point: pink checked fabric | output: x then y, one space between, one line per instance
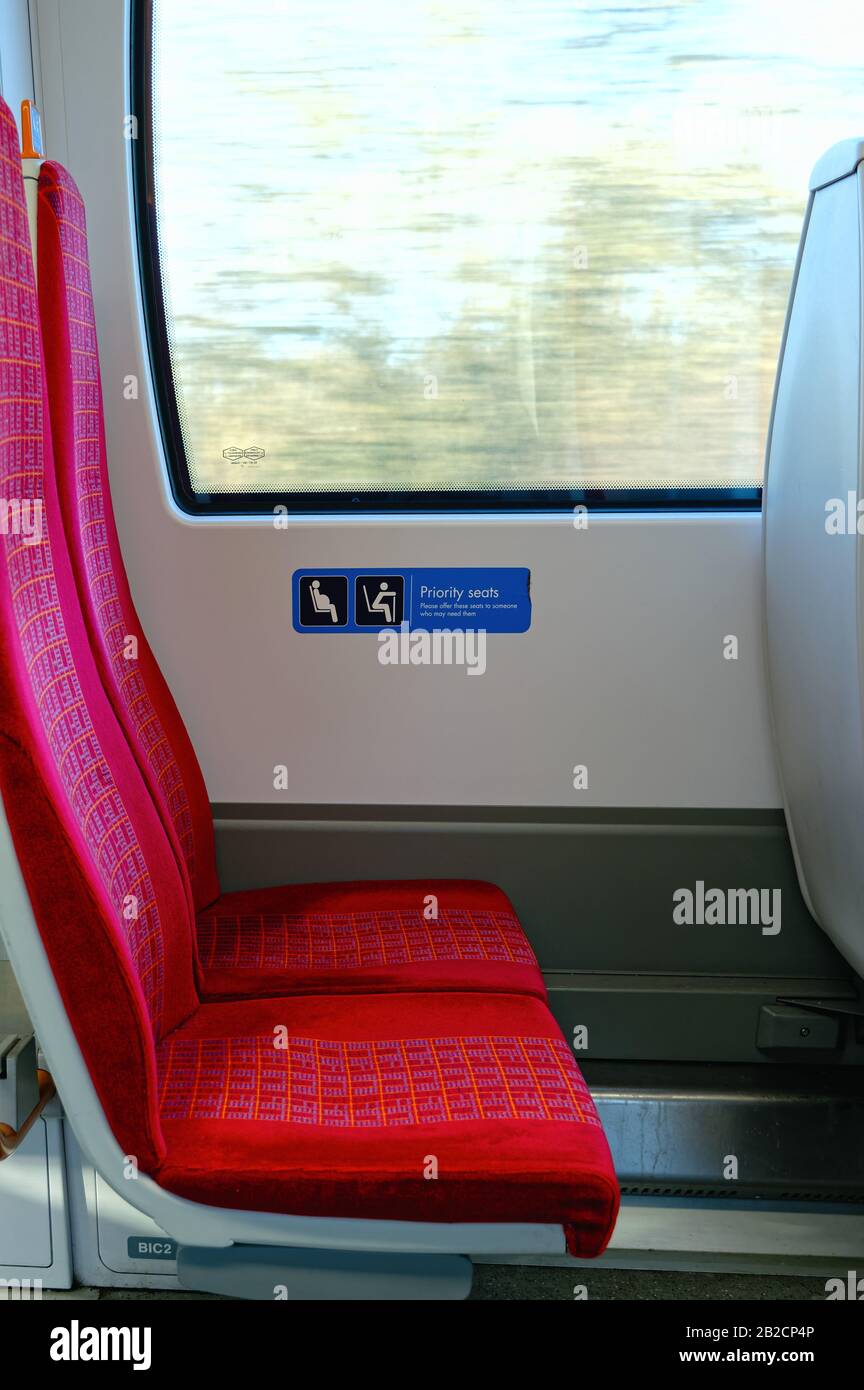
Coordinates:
373 1084
119 630
353 940
44 650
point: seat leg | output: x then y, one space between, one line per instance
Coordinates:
274 1272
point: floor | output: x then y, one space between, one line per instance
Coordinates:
520 1284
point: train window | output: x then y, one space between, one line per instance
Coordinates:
464 254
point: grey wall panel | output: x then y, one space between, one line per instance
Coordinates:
593 896
700 1018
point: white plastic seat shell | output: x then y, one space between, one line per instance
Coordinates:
814 604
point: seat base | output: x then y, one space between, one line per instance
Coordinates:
441 1108
272 1272
374 936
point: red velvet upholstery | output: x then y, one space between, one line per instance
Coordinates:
372 1095
345 937
279 940
110 901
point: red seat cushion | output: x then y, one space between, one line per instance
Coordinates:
421 1108
343 938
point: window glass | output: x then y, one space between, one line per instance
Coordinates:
467 245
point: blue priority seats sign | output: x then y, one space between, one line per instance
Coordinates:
442 600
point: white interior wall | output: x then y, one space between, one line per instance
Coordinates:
623 669
16 65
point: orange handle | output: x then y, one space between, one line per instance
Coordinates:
31 131
12 1139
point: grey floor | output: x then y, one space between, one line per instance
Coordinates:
519 1284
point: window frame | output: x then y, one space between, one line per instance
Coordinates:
497 502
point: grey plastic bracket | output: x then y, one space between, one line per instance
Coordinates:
277 1273
789 1024
19 1084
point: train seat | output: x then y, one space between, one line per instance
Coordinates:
429 1107
376 936
405 1107
341 937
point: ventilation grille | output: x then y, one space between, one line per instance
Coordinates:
733 1192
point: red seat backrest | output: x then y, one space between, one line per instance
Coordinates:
111 905
142 701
